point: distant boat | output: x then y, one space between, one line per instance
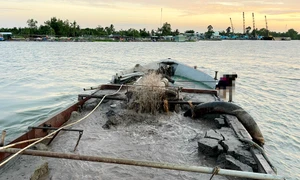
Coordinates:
267 38
282 38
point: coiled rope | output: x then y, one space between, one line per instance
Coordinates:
41 139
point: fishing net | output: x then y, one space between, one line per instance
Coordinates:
148 94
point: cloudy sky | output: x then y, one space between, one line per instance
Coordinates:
181 14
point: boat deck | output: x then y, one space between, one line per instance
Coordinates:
119 129
114 131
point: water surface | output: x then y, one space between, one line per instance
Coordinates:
38 79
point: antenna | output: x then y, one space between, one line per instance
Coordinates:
285 27
161 17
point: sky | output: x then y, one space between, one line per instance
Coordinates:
150 14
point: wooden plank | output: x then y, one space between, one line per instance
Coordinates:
263 165
241 132
237 127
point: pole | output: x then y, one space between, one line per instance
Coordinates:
161 17
2 138
130 162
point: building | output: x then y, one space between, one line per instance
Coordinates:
216 36
5 36
180 38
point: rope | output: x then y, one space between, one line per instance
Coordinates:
214 172
20 151
20 142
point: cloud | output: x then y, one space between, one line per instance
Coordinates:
14 9
224 3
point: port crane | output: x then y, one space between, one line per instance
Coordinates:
267 26
232 26
244 23
254 30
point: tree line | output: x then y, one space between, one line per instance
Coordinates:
64 28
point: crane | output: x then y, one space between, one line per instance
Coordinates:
254 30
232 26
267 26
244 23
253 21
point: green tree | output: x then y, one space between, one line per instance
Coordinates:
222 33
292 33
228 30
73 27
56 25
254 32
132 33
100 31
189 31
209 32
45 30
152 32
176 32
110 30
144 33
66 29
248 29
32 24
166 29
262 32
210 28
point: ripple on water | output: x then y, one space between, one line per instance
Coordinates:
267 85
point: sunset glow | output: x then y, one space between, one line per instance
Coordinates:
183 15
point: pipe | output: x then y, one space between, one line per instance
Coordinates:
130 162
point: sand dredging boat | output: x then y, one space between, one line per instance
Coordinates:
164 120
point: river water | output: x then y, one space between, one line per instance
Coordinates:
38 79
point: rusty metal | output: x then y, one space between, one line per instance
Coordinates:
55 121
81 96
64 129
91 88
54 128
80 135
53 138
